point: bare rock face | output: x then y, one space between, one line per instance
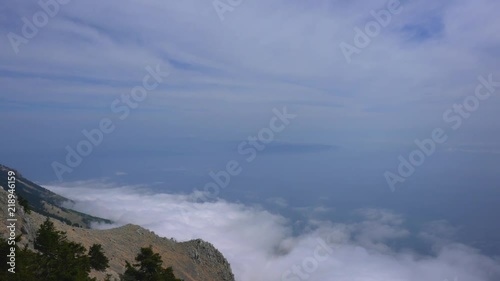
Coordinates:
205 253
194 260
24 224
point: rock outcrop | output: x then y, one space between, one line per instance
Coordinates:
194 260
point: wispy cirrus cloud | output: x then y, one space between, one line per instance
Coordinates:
291 51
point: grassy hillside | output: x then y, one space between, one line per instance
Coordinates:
194 260
46 202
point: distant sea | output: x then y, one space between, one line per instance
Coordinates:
460 188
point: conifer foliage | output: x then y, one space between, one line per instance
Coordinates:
56 259
148 268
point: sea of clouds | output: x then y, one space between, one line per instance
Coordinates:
261 245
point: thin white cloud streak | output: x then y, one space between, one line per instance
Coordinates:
285 51
290 41
260 245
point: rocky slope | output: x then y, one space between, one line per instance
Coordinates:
192 261
45 202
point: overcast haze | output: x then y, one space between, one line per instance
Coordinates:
403 125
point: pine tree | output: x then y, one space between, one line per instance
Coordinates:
60 259
56 259
48 238
148 268
98 260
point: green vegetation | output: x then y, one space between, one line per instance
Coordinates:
61 260
25 204
56 259
148 268
98 260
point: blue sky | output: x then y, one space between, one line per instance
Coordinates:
236 70
353 118
226 76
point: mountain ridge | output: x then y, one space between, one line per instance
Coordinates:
191 260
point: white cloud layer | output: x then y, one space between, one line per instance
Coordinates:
260 245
